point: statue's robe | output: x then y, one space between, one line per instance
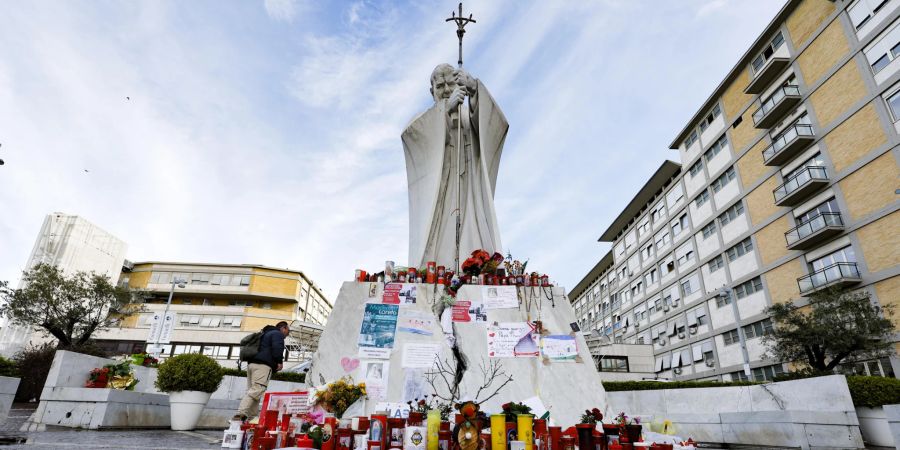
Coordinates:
429 142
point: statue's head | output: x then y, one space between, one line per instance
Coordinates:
442 82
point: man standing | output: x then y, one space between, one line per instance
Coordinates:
260 368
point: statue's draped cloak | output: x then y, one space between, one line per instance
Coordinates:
429 143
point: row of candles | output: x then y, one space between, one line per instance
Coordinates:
435 274
381 432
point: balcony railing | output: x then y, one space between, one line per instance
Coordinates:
814 230
800 184
774 108
766 74
793 139
838 274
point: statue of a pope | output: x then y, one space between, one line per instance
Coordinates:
431 148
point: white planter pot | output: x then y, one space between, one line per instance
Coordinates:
186 408
873 426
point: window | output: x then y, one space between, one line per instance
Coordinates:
828 206
845 254
159 278
813 161
767 373
658 212
690 139
200 278
687 287
647 252
652 276
662 239
740 249
708 120
701 198
722 300
893 103
724 179
748 287
767 52
717 147
716 263
644 227
739 376
731 213
679 225
758 329
731 337
674 196
885 49
245 280
863 10
613 364
696 168
686 255
709 229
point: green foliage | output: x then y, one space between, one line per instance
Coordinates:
873 391
289 376
189 372
68 307
280 376
8 368
838 326
33 364
615 386
801 374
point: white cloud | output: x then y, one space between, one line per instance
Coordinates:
282 10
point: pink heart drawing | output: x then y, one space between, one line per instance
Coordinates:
349 364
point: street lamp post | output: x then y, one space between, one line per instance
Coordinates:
181 284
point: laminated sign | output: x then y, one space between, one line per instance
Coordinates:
379 325
512 340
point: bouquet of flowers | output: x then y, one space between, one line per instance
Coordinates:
423 405
339 395
591 416
144 359
512 409
116 376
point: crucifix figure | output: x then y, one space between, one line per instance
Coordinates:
452 155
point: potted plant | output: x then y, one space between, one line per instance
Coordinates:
870 394
586 427
629 428
189 380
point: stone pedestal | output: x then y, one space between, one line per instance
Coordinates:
566 389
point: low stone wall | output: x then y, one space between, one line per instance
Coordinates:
66 402
813 413
8 387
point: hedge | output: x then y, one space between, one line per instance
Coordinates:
873 391
280 376
615 386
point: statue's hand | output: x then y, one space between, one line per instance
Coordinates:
456 98
463 78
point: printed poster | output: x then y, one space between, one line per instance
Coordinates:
497 297
287 402
512 340
379 325
374 353
469 311
399 294
420 355
376 375
560 347
415 322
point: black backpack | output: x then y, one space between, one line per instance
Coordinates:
250 345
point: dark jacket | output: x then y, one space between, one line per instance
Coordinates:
271 348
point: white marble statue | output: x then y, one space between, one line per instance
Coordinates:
430 145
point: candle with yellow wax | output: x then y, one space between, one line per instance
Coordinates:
433 427
525 429
498 432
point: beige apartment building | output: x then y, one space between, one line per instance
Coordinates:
217 306
787 183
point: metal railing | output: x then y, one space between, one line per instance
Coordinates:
775 99
787 136
813 225
828 275
799 179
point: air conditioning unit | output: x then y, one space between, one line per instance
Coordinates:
662 342
681 335
677 370
710 363
693 330
666 308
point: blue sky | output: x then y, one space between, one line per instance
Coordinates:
268 132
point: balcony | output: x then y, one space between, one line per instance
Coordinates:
775 107
800 185
815 230
766 74
788 144
839 274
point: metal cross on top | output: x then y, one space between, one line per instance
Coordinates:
461 23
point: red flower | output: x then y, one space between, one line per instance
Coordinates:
497 257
